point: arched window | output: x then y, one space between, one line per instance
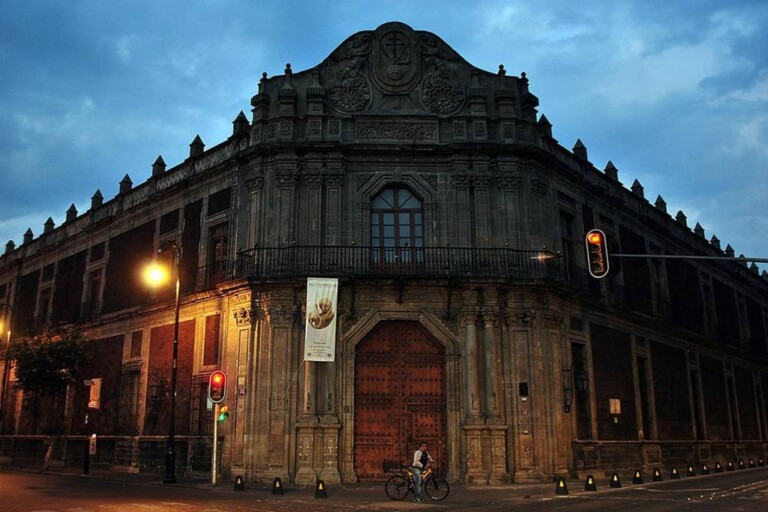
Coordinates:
397 226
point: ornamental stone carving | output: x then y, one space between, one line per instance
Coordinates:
508 181
539 185
396 58
242 316
352 94
441 95
397 131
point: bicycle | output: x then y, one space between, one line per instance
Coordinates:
400 484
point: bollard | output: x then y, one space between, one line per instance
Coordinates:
590 485
751 463
674 475
691 471
615 481
561 487
277 486
730 466
239 483
320 491
761 462
657 475
741 464
704 469
637 478
718 467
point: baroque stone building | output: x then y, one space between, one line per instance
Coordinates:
454 221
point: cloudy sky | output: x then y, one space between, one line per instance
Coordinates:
674 93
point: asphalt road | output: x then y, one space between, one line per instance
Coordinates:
740 491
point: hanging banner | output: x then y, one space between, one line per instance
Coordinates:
320 339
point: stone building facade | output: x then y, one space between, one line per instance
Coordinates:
454 221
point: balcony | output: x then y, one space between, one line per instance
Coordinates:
375 262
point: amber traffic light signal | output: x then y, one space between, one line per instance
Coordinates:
217 387
597 253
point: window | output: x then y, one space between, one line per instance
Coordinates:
169 222
217 253
219 201
581 388
397 227
129 403
93 303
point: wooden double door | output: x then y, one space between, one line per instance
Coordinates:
399 397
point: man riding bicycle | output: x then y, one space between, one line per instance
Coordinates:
421 460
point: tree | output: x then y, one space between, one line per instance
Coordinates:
48 362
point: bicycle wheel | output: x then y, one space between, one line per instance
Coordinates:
396 487
437 488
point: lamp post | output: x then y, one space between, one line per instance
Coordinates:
6 364
155 275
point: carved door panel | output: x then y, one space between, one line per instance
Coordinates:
399 397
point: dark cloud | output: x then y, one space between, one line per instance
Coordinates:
674 93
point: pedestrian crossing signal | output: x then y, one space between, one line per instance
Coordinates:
597 253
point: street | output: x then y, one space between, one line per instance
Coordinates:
738 491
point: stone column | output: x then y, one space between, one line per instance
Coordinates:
490 315
469 319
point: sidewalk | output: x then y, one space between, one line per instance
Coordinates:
365 495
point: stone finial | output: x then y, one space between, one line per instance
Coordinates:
754 269
126 185
196 147
97 199
71 213
10 246
681 218
288 71
743 260
729 251
48 226
715 242
661 204
240 124
580 150
638 189
263 82
611 171
764 275
28 236
545 125
699 231
502 71
158 168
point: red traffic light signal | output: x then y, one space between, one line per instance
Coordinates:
597 253
217 387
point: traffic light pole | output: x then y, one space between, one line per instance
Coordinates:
214 465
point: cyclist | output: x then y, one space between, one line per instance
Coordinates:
421 460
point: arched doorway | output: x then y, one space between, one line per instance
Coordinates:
399 397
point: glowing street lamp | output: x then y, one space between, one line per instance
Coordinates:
156 275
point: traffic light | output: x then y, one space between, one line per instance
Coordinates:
597 253
223 414
217 387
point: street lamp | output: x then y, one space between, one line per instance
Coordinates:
6 365
156 275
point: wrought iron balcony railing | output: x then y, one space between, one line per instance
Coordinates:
428 262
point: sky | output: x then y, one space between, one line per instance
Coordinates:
674 93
